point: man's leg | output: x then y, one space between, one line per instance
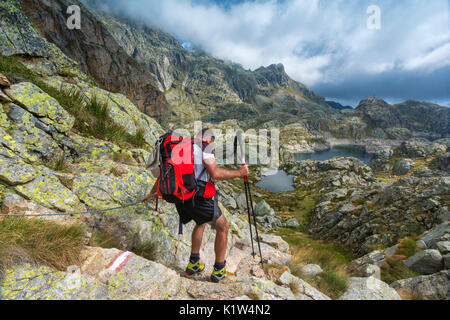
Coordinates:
220 245
195 265
197 236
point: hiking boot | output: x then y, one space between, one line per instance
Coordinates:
194 268
219 275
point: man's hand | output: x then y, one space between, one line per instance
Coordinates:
151 195
244 171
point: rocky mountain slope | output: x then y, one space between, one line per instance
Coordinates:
217 90
73 138
97 52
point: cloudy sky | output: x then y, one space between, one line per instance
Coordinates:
326 44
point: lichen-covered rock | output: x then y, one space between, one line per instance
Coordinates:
431 287
425 262
150 280
85 148
99 190
369 289
42 105
14 148
43 283
13 171
121 110
48 191
32 133
446 259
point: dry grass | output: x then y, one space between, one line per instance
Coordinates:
332 281
407 295
39 241
274 271
394 269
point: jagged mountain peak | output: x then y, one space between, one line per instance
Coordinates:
372 101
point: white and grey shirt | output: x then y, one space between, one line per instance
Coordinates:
199 156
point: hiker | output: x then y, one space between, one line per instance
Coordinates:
204 210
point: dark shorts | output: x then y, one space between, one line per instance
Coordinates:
202 212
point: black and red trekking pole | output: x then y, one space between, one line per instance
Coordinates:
248 198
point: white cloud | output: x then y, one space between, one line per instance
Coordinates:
430 61
318 41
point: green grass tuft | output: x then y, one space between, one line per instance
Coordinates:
92 118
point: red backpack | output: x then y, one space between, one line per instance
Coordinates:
177 181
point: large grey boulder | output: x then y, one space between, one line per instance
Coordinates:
229 202
391 250
241 201
403 167
304 290
443 247
275 241
447 261
363 266
437 234
292 223
263 209
40 104
369 289
425 262
311 270
14 171
431 287
43 283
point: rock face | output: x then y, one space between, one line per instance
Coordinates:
305 291
432 287
369 289
96 51
424 119
311 269
403 166
265 215
101 277
141 68
360 212
41 105
43 283
425 262
435 235
368 265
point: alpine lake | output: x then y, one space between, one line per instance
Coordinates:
280 181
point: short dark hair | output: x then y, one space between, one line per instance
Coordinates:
205 133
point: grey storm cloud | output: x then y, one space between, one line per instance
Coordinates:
324 44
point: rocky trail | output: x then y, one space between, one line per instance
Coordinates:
75 133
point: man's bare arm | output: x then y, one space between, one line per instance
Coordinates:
152 193
217 173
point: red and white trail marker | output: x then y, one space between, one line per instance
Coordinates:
120 261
